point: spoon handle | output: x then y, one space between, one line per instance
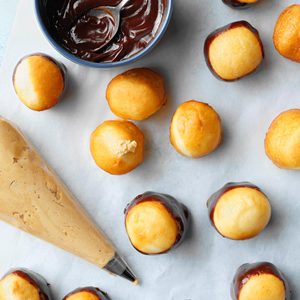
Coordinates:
122 4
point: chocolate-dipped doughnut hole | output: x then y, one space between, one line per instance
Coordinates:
234 51
239 211
23 284
240 4
156 223
261 281
87 293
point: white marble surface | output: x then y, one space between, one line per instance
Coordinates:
203 266
7 13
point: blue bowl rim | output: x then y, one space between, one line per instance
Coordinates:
102 65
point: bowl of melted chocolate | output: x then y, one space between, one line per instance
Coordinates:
85 38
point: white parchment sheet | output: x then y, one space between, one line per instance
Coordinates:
203 266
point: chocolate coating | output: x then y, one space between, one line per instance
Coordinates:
246 271
237 4
220 31
178 210
34 279
92 290
77 30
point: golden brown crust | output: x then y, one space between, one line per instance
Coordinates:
195 129
117 146
282 142
260 280
263 286
17 287
146 222
87 293
83 296
39 81
151 227
286 36
136 94
241 213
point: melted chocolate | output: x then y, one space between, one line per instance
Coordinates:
237 4
35 280
221 30
92 290
91 32
246 271
179 211
213 200
83 34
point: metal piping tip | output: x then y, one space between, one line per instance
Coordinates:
119 267
128 274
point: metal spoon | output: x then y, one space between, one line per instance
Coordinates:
114 11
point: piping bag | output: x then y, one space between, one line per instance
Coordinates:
35 200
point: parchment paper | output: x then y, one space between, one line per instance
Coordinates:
204 265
